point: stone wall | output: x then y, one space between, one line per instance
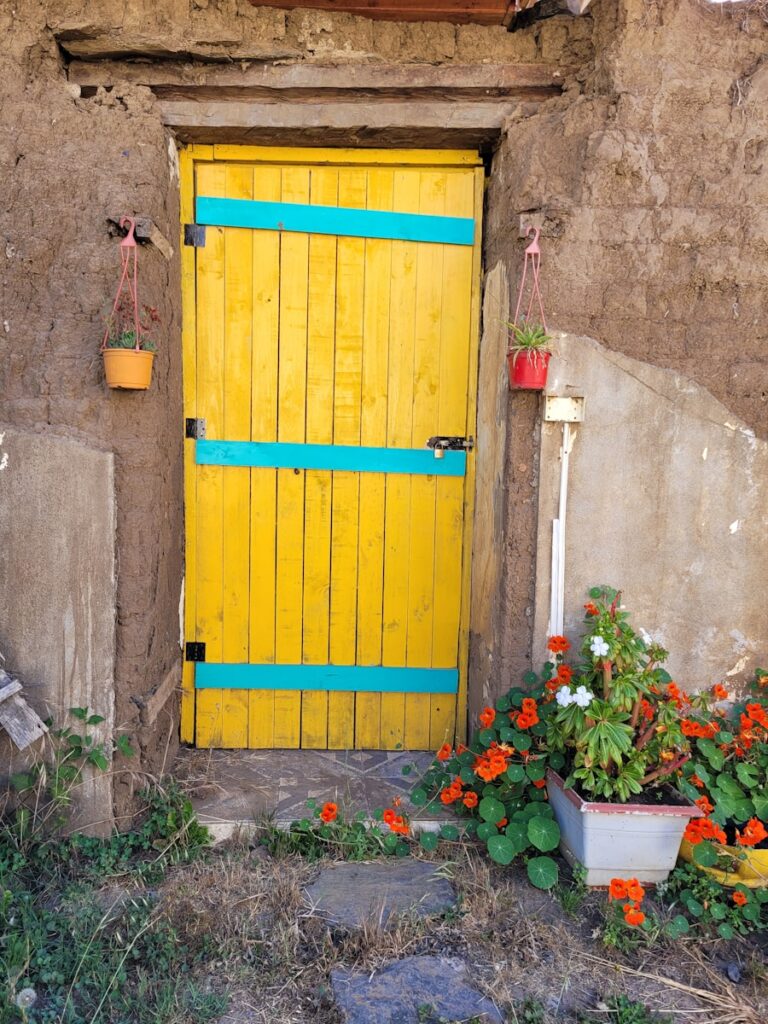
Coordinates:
649 178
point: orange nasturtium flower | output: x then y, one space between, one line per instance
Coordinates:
487 716
704 804
590 608
398 825
635 891
540 783
388 816
719 691
633 915
558 644
444 752
329 812
739 899
754 833
471 799
617 890
564 673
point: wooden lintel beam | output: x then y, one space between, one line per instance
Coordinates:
164 76
480 118
481 12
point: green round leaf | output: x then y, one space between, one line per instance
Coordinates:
556 761
530 679
419 797
429 840
542 872
506 734
501 849
467 758
725 931
515 773
517 833
694 906
487 736
491 810
471 827
751 912
521 742
536 770
485 830
544 833
402 850
503 703
718 911
449 832
704 855
677 926
467 776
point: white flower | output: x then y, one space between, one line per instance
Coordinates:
583 697
564 697
26 998
598 646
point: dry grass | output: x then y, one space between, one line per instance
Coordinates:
264 943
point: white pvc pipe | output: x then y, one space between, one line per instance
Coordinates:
558 583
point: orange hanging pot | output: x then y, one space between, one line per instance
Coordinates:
128 347
128 368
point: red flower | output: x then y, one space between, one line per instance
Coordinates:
558 644
398 825
564 674
470 799
540 783
719 692
487 715
739 899
591 609
633 915
617 890
388 816
444 752
502 822
329 812
704 804
754 833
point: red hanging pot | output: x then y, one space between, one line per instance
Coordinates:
528 370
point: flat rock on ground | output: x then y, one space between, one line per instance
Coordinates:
350 894
416 990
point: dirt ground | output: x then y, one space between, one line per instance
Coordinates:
535 960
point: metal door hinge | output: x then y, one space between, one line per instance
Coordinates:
194 428
194 652
194 234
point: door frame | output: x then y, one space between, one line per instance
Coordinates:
196 152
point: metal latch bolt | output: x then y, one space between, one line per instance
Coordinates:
441 444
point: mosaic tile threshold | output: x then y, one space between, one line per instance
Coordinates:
231 789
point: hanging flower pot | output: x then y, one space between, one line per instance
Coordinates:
528 354
528 368
128 347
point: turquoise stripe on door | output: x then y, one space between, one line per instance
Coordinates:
352 458
334 220
358 678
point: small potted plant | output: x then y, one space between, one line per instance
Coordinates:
129 347
619 728
727 777
528 355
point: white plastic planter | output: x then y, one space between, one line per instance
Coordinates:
618 840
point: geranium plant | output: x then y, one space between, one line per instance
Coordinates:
619 718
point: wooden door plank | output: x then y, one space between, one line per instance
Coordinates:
350 269
238 293
189 386
429 297
455 339
324 187
264 389
210 519
373 431
292 384
399 433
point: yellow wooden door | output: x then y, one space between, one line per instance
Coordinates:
330 329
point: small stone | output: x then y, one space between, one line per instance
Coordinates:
410 991
350 894
734 973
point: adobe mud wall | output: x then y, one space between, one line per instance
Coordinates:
650 179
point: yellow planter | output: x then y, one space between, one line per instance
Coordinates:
752 871
128 368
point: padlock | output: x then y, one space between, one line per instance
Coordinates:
439 453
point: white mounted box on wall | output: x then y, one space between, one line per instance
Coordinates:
564 410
